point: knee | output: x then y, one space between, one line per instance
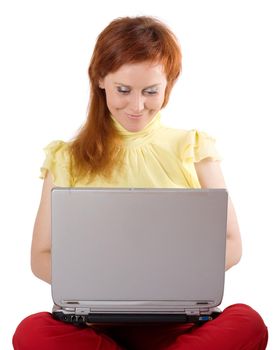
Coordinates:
25 333
247 319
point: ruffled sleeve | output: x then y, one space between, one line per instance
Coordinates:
199 145
57 162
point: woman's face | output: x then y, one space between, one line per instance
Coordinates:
135 93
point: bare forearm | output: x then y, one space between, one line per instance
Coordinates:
41 266
233 252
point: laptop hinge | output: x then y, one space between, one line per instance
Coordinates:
82 310
197 311
205 311
192 311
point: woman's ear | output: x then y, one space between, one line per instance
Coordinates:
101 83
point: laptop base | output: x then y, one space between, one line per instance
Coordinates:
104 318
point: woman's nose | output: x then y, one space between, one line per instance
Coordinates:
137 102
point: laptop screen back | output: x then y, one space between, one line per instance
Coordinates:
154 245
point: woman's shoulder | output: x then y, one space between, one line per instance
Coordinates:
57 161
186 136
58 149
56 146
191 144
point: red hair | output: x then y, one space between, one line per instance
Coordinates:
95 149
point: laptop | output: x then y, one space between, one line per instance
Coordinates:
138 255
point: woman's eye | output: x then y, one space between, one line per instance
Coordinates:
123 90
151 92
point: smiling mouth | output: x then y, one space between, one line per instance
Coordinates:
134 116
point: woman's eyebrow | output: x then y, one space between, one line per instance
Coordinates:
147 87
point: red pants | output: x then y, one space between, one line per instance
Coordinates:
238 327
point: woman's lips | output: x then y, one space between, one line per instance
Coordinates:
134 116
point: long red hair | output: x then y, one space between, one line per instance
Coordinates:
95 149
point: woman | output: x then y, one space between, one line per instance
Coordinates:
135 63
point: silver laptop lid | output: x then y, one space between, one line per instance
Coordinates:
138 249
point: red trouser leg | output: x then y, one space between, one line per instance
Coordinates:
239 327
42 332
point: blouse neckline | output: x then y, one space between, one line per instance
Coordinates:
138 137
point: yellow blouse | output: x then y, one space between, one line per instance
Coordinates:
155 157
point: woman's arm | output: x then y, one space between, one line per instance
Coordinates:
41 243
210 176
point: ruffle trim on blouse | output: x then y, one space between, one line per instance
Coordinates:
57 162
199 145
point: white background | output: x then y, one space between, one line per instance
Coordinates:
228 88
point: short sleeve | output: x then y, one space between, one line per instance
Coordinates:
198 146
57 162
